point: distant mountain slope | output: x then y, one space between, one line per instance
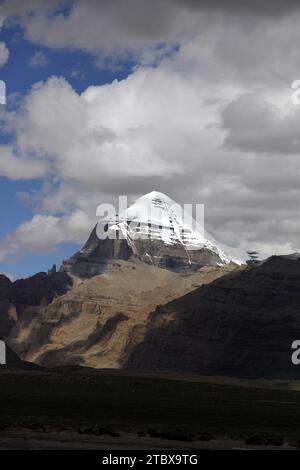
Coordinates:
221 320
99 322
240 325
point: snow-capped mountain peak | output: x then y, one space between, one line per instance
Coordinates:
156 216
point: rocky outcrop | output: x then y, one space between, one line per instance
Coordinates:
95 256
39 289
240 325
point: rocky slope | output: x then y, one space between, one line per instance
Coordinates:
240 325
99 322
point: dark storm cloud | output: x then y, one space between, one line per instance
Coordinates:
263 7
138 29
254 125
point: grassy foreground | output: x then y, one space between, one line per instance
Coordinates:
94 402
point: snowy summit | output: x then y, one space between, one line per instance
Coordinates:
156 216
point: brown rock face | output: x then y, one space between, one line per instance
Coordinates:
96 255
101 321
240 325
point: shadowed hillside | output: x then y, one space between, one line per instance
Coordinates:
240 325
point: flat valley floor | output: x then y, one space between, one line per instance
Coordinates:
82 408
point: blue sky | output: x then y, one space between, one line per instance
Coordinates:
19 75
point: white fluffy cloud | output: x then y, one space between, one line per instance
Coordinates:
212 122
43 232
98 135
14 167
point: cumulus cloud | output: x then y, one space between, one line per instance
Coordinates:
120 29
4 54
15 167
126 137
38 59
95 135
158 130
43 232
255 125
205 116
147 31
